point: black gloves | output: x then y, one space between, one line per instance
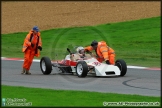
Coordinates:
107 62
40 48
32 45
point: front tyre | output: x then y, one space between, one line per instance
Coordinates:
45 65
81 69
122 66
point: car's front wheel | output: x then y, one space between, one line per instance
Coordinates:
45 65
81 69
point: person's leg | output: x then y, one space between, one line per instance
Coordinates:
112 59
26 60
31 56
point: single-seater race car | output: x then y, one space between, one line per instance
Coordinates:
83 66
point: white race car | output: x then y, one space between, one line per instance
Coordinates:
83 66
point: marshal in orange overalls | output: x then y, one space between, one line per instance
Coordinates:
30 48
103 52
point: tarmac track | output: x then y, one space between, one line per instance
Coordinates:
136 81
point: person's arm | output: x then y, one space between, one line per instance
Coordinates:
40 43
27 40
104 51
88 48
40 40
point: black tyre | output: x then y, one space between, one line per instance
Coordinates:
122 66
81 69
45 65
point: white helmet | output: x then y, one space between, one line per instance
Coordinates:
79 49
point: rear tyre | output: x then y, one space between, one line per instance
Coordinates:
122 66
81 69
45 65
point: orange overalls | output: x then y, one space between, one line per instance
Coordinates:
103 52
29 51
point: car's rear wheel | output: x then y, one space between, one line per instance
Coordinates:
45 65
122 66
81 69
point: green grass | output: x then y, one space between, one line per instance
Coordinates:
49 97
137 42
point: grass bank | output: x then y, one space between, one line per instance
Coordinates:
49 97
137 42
